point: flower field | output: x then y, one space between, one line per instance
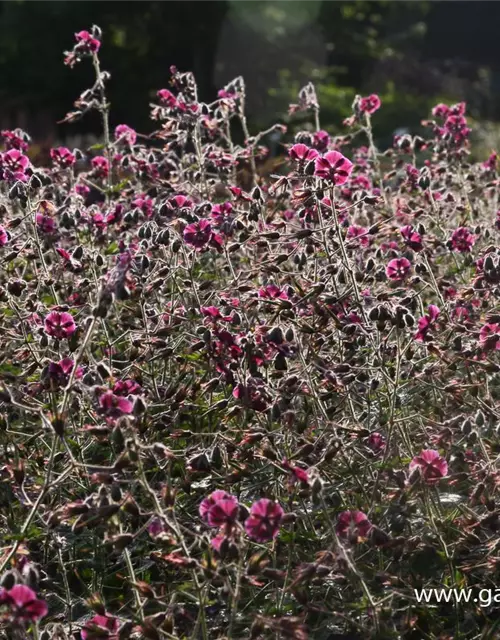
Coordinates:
242 404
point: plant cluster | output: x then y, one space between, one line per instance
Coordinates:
247 412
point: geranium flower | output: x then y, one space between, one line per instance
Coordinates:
334 167
321 140
358 235
432 466
60 372
441 110
370 104
124 133
489 336
426 322
113 405
219 498
264 521
59 325
272 292
198 234
86 43
412 238
62 157
23 603
352 525
101 628
302 153
4 237
398 269
167 98
462 240
16 139
100 165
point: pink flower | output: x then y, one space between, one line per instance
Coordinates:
398 269
59 325
227 507
264 520
23 603
352 525
273 292
13 165
376 442
100 165
432 466
427 322
16 139
321 140
86 43
44 223
333 166
441 110
113 405
412 238
4 237
489 336
101 628
198 234
462 240
167 98
62 157
59 372
302 153
370 104
126 134
358 236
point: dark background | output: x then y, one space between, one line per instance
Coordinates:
412 53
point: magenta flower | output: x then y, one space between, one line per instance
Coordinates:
4 237
44 223
198 234
23 603
62 157
427 322
59 372
218 498
333 166
302 153
412 238
113 405
398 269
167 98
370 104
16 139
321 140
271 291
462 240
59 325
86 43
264 521
352 525
432 466
489 336
441 110
358 235
101 628
100 165
376 442
124 133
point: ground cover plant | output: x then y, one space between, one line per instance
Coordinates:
237 405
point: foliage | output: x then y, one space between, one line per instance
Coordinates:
241 405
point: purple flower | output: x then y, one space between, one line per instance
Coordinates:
62 157
59 325
333 166
431 465
23 603
113 405
352 525
412 238
370 104
100 165
489 336
86 43
124 133
59 372
302 153
198 234
398 269
4 237
462 240
225 502
101 628
264 521
321 140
